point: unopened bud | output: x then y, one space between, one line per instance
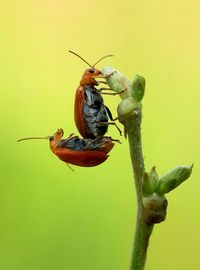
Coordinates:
174 178
126 106
117 81
150 182
138 88
155 208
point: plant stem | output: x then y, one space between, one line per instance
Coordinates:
141 241
143 230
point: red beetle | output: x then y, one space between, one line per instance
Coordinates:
76 151
90 113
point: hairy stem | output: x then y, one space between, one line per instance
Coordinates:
143 230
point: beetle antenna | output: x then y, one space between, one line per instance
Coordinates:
109 55
33 138
80 58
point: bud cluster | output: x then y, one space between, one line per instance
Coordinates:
131 93
172 179
153 190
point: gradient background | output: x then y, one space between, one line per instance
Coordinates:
52 218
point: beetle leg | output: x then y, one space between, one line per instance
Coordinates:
104 88
113 119
110 114
110 123
106 76
116 118
92 141
101 82
114 140
71 135
100 76
70 167
111 94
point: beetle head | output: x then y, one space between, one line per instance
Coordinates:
91 73
89 76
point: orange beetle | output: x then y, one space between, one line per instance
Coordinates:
76 151
90 113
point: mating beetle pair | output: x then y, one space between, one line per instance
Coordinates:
91 118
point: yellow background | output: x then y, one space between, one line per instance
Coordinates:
52 218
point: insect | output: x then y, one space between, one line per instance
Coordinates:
76 151
90 114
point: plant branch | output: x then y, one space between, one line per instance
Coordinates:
150 189
143 230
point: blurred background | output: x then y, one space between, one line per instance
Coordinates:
52 218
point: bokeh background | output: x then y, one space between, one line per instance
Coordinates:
52 218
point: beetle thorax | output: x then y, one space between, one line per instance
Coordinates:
56 138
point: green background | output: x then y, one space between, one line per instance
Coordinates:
52 218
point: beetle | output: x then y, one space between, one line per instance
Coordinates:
77 151
90 114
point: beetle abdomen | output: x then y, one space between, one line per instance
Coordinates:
94 112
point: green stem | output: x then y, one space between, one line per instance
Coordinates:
143 230
141 241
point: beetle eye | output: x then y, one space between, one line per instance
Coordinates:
91 70
51 138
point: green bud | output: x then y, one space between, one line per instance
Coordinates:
126 106
150 182
138 88
155 208
174 178
117 81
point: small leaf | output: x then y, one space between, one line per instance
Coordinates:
150 182
174 178
138 88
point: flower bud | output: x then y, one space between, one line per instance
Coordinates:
150 182
155 208
117 81
173 179
138 88
126 106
